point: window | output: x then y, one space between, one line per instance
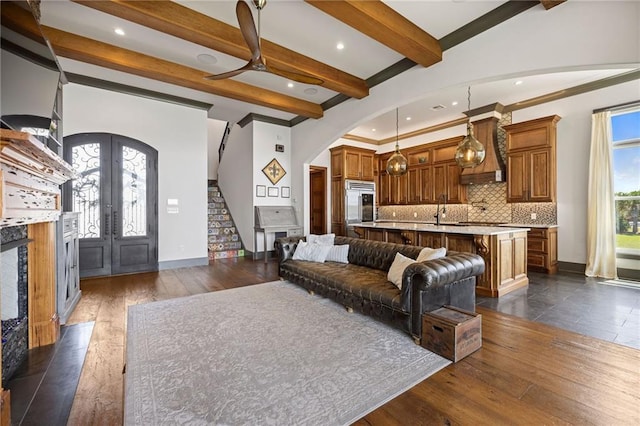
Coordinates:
625 128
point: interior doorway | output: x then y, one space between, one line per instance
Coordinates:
318 199
116 195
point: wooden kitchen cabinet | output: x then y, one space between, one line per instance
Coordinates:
432 172
446 180
459 242
531 160
542 250
431 239
347 162
350 162
384 189
337 207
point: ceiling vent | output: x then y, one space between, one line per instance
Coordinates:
437 107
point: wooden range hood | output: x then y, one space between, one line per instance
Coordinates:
492 168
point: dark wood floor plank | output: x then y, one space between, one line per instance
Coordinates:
526 373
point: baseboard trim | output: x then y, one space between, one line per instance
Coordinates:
574 268
579 268
271 254
629 274
183 263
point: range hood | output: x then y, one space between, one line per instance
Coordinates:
492 168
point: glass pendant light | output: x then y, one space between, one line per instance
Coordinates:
470 152
397 163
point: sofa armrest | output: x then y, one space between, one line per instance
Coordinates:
429 285
286 246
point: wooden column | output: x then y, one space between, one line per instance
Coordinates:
44 324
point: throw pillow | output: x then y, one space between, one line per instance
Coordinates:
397 268
326 239
311 252
339 254
428 253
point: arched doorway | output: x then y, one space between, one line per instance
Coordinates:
116 195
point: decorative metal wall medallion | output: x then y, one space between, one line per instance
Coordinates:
274 171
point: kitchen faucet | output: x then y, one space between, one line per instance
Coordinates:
444 209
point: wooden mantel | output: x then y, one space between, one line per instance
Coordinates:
30 179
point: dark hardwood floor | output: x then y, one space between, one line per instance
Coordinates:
525 373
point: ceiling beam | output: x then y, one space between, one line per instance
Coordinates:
382 23
187 24
548 4
105 55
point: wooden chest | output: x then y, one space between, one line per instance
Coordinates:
451 332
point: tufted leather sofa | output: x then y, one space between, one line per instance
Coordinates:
362 284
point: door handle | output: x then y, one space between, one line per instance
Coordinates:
115 223
106 224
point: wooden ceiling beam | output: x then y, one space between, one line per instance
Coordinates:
187 24
548 4
382 23
105 55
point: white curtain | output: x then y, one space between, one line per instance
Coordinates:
601 214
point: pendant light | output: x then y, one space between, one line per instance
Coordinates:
397 163
470 152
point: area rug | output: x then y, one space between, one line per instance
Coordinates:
264 354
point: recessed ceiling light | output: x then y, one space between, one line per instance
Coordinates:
518 83
408 118
289 84
205 58
373 130
454 103
340 46
119 31
311 91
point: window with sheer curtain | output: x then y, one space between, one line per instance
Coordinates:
625 134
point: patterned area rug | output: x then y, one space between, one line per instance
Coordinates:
264 354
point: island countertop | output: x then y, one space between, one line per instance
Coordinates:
445 228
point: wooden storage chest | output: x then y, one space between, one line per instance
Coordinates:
451 332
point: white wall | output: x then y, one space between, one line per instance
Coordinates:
179 134
248 151
235 179
215 132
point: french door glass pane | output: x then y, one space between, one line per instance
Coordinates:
134 192
85 191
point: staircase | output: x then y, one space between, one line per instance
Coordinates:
223 238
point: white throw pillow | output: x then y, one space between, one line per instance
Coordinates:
428 253
311 252
326 239
398 266
339 254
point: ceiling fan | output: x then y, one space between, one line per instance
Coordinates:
252 38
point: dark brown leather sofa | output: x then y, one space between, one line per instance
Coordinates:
362 284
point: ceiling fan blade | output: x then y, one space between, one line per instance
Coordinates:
248 28
230 74
300 78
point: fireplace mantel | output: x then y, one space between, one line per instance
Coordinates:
30 179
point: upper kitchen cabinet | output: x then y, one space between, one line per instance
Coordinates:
432 173
446 173
348 162
531 160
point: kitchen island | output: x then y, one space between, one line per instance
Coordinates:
504 249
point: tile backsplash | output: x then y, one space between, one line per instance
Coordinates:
423 213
